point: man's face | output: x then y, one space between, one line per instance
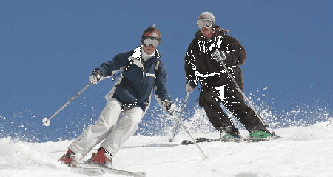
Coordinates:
206 27
207 32
150 49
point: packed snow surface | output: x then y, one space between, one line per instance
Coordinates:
303 151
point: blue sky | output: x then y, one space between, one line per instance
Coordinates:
49 48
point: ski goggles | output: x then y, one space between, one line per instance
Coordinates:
147 41
204 23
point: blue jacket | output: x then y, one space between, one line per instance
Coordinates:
138 79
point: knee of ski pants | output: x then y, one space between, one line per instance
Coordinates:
135 114
209 97
111 113
235 97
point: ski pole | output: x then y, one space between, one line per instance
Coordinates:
240 91
178 121
195 142
46 121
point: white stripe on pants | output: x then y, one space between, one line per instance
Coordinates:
105 129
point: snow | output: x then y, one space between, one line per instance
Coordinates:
303 151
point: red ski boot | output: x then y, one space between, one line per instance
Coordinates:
68 158
102 158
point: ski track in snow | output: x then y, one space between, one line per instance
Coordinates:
303 151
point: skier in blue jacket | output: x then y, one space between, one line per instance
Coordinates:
142 73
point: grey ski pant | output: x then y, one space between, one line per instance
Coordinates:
107 131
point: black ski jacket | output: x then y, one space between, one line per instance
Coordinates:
199 65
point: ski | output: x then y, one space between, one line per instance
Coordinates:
252 139
93 170
246 139
200 140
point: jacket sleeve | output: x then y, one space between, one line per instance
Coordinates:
161 92
118 62
190 66
236 54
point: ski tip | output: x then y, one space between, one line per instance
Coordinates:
187 142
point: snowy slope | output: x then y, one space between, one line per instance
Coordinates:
303 151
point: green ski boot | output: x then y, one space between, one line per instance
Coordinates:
261 134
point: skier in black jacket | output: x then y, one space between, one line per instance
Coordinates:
201 64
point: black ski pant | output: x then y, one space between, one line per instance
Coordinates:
234 102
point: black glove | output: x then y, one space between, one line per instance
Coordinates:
95 77
169 106
219 56
189 88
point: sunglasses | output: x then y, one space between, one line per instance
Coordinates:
147 41
204 23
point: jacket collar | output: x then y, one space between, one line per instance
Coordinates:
137 53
